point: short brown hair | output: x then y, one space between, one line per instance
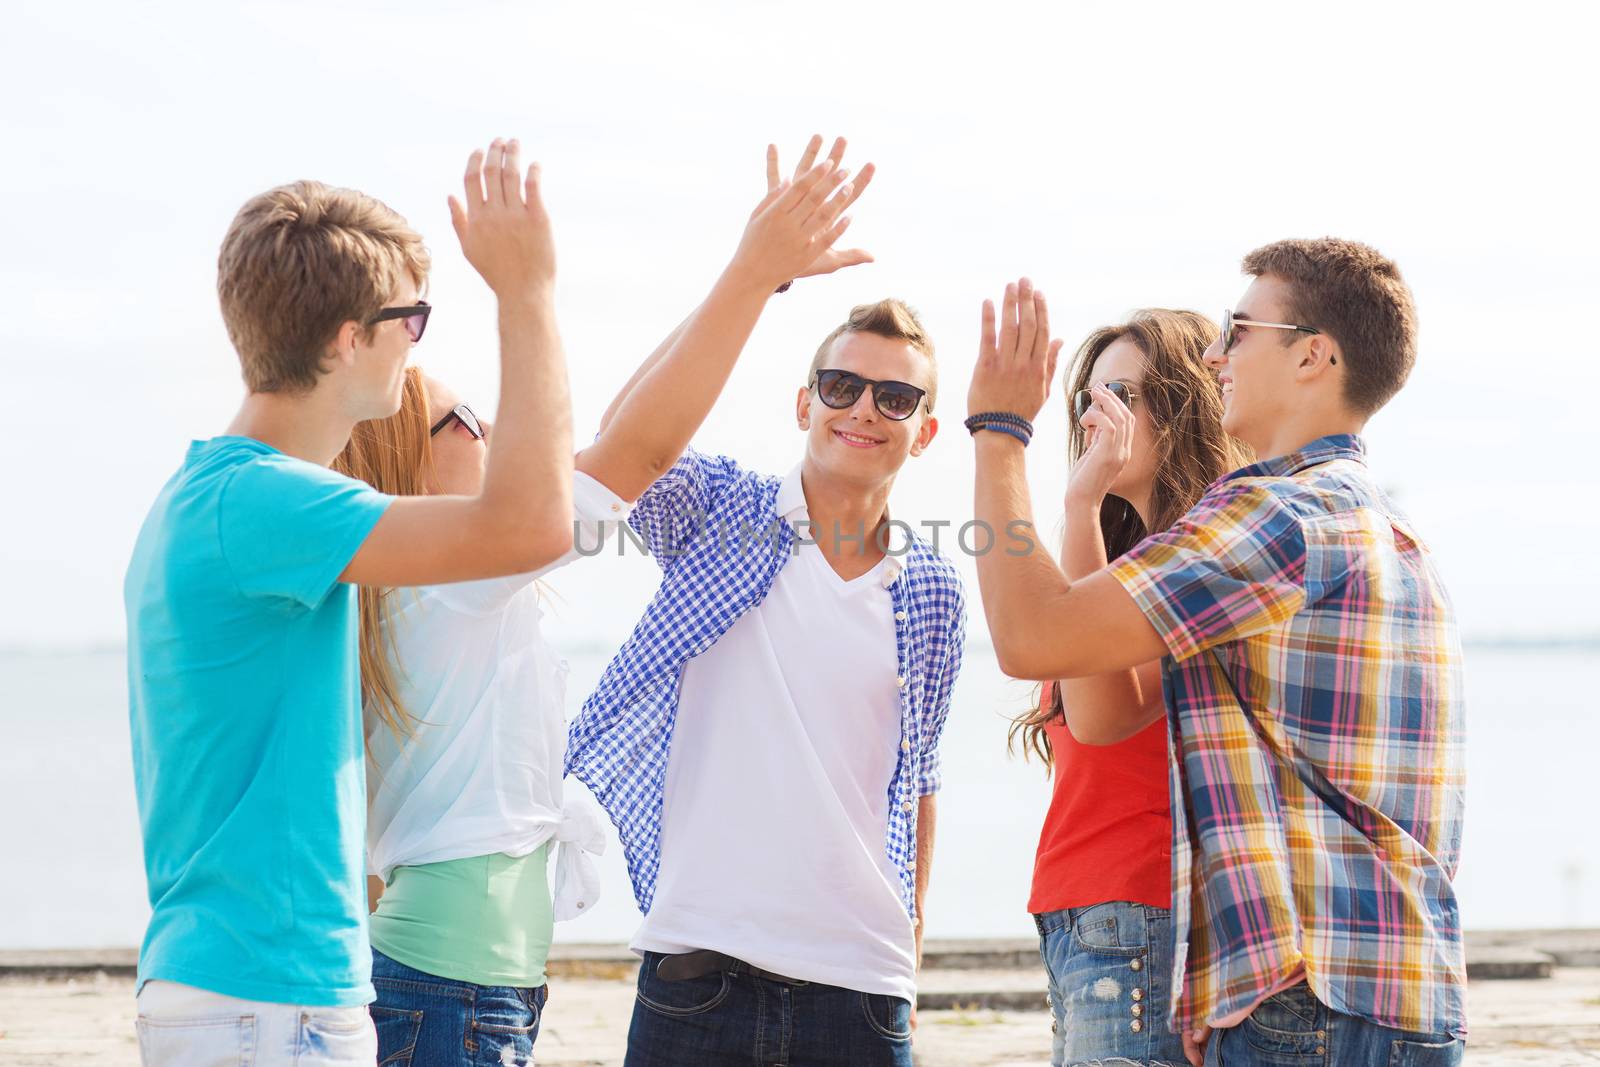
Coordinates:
298 262
1355 295
891 318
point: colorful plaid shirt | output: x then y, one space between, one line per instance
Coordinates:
720 536
1315 711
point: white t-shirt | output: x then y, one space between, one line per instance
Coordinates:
481 773
775 818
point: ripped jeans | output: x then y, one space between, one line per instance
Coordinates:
1110 973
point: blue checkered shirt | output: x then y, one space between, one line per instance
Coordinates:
719 535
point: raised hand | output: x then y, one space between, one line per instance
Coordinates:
795 223
831 259
1108 426
1016 366
502 224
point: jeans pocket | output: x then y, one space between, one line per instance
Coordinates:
397 1031
1426 1053
215 1042
1291 1022
1114 929
888 1016
336 1037
688 996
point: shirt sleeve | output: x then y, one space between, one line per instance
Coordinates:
676 507
597 513
289 528
929 777
1232 568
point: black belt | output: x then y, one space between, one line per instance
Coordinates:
704 961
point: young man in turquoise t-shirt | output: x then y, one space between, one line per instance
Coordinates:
242 661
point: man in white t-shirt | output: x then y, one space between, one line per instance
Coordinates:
767 739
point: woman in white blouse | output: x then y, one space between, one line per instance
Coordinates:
465 700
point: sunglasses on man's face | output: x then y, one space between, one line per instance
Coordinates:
841 389
415 318
1229 334
1083 399
462 414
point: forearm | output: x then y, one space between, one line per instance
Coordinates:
658 418
927 819
528 476
1097 703
642 369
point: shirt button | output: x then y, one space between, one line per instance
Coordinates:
580 905
899 616
900 680
905 746
906 807
616 507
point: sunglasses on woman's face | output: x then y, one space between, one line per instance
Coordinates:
462 414
415 317
841 389
1083 399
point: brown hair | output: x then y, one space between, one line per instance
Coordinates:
1180 399
891 318
300 261
394 456
1356 296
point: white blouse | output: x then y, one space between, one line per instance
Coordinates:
481 772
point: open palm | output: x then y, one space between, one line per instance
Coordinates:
834 258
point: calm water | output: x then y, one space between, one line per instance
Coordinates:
70 872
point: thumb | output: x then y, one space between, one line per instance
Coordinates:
458 219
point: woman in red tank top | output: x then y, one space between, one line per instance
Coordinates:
1145 441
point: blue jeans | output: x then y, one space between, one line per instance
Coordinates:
426 1020
1294 1029
1110 972
731 1017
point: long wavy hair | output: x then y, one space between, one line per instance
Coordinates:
394 456
1180 399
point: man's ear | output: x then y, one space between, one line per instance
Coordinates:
925 436
802 409
344 342
1321 353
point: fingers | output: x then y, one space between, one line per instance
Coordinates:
836 153
472 182
1041 315
458 219
859 184
511 173
809 156
844 258
772 167
803 185
494 194
531 186
986 341
1008 324
815 199
831 210
1050 370
1027 322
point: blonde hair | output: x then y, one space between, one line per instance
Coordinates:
300 261
394 456
890 318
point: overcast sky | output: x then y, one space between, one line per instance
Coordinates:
1122 156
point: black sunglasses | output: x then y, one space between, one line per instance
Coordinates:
1229 322
462 414
841 389
1083 399
415 316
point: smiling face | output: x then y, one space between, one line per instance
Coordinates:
1123 362
859 445
458 456
1258 373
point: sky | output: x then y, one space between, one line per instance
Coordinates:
1120 155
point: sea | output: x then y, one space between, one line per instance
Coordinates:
71 873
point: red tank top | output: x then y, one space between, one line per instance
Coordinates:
1108 833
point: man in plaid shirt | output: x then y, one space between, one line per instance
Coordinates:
1312 676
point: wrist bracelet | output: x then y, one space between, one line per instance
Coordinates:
1006 428
986 418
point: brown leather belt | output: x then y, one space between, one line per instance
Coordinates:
704 961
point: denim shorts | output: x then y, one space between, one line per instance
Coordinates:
1293 1028
429 1021
731 1018
182 1026
1110 981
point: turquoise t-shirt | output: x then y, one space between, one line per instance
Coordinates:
244 701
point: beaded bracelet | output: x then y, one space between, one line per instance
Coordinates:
985 418
1006 428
